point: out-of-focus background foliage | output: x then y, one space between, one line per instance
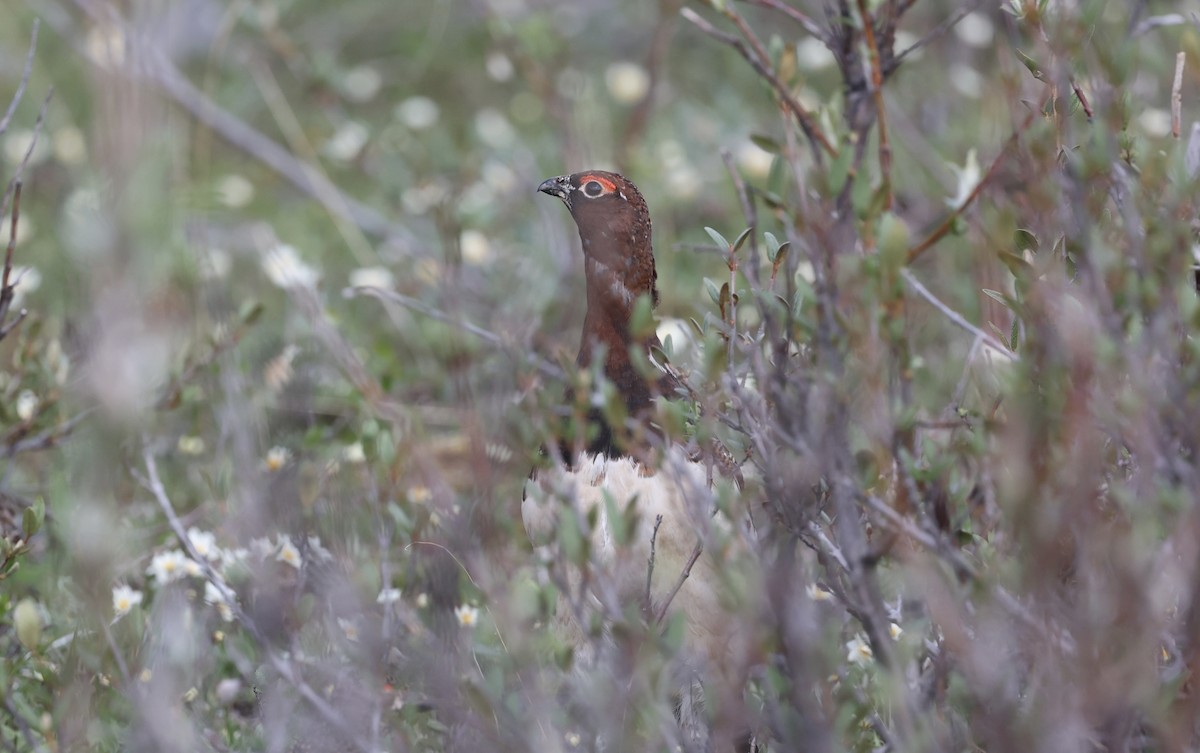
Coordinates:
218 187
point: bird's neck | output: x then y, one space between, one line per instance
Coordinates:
614 283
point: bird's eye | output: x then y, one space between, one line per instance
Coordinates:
593 189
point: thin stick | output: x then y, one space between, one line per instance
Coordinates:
37 132
885 149
6 290
154 483
650 566
24 82
802 115
683 576
546 367
809 25
948 224
951 21
954 316
1177 95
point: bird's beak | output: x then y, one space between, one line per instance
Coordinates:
560 187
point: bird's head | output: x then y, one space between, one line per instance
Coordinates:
614 227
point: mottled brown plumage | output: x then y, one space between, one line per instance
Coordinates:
615 232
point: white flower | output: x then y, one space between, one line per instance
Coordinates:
419 495
627 82
968 178
288 554
467 615
476 249
233 557
215 596
124 599
189 445
278 371
69 145
27 405
1155 121
235 191
493 128
858 651
417 113
388 596
812 54
422 600
317 550
262 547
347 141
192 568
16 144
353 453
167 567
895 631
24 280
349 629
754 160
284 267
362 83
204 542
816 593
277 457
214 264
499 67
372 277
976 30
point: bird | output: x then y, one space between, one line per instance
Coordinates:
618 473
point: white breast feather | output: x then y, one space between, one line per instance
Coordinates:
679 492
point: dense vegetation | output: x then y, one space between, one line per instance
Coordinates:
283 327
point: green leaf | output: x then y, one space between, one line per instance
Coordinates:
1013 338
999 297
772 245
1024 239
714 292
1032 65
737 244
766 143
723 301
780 257
32 518
717 238
249 312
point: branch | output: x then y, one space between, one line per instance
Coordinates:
47 439
545 367
809 25
683 576
940 30
948 224
954 316
885 149
154 483
802 115
25 73
306 177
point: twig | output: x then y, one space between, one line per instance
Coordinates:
155 485
949 23
307 178
37 132
660 42
948 224
545 367
809 25
954 316
6 289
1177 96
46 439
1153 22
802 115
650 566
885 148
24 82
22 725
683 576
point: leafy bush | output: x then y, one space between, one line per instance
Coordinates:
302 327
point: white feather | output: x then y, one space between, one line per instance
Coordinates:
678 491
